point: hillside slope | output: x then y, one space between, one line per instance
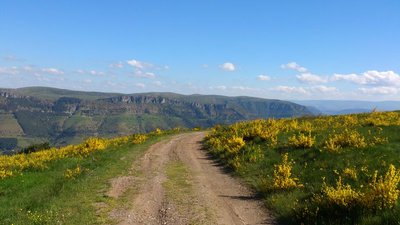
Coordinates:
62 116
318 170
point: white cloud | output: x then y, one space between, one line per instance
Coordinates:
372 77
29 69
157 83
290 90
142 74
305 76
263 77
294 66
140 85
243 88
323 89
234 89
14 70
53 71
384 90
138 64
306 90
9 70
94 72
91 72
117 65
80 71
40 77
310 78
112 84
320 89
12 58
228 67
221 88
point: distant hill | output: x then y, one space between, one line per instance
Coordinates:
37 114
337 107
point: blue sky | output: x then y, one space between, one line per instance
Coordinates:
307 49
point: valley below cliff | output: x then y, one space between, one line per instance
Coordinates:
60 117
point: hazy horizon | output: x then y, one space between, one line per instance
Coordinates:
285 50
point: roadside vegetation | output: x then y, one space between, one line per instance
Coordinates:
318 170
65 185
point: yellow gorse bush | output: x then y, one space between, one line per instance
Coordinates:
381 119
15 164
349 120
119 140
384 191
381 192
266 130
5 173
283 175
229 143
344 134
157 131
234 144
350 173
347 138
305 127
73 173
355 191
301 140
342 195
138 138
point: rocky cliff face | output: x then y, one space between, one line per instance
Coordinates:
6 94
66 117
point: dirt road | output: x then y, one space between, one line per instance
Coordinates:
182 185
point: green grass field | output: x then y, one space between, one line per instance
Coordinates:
47 196
258 156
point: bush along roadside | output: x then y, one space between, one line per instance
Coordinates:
11 165
318 170
67 185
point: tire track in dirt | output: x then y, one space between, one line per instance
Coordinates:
226 198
